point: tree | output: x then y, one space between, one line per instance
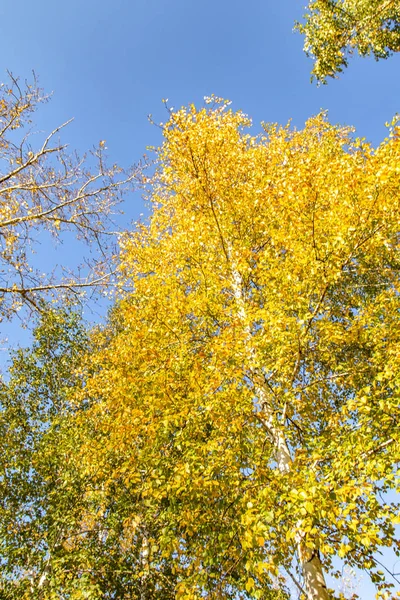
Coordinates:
40 493
251 389
335 29
46 191
65 533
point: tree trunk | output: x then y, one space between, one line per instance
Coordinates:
314 579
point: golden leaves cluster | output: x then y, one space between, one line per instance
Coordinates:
269 263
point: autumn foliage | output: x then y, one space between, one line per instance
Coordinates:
244 399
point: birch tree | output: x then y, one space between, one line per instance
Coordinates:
251 389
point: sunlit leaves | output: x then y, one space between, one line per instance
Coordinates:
246 392
40 488
335 29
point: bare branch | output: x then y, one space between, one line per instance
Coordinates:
48 190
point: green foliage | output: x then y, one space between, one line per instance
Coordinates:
335 29
39 493
64 533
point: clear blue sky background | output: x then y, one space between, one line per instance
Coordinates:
109 65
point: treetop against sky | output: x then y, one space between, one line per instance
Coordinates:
256 354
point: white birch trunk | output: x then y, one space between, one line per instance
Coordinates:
314 579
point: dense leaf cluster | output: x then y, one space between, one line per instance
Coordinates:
335 29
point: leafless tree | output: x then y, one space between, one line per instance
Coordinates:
47 191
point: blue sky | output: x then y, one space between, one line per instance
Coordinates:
109 64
